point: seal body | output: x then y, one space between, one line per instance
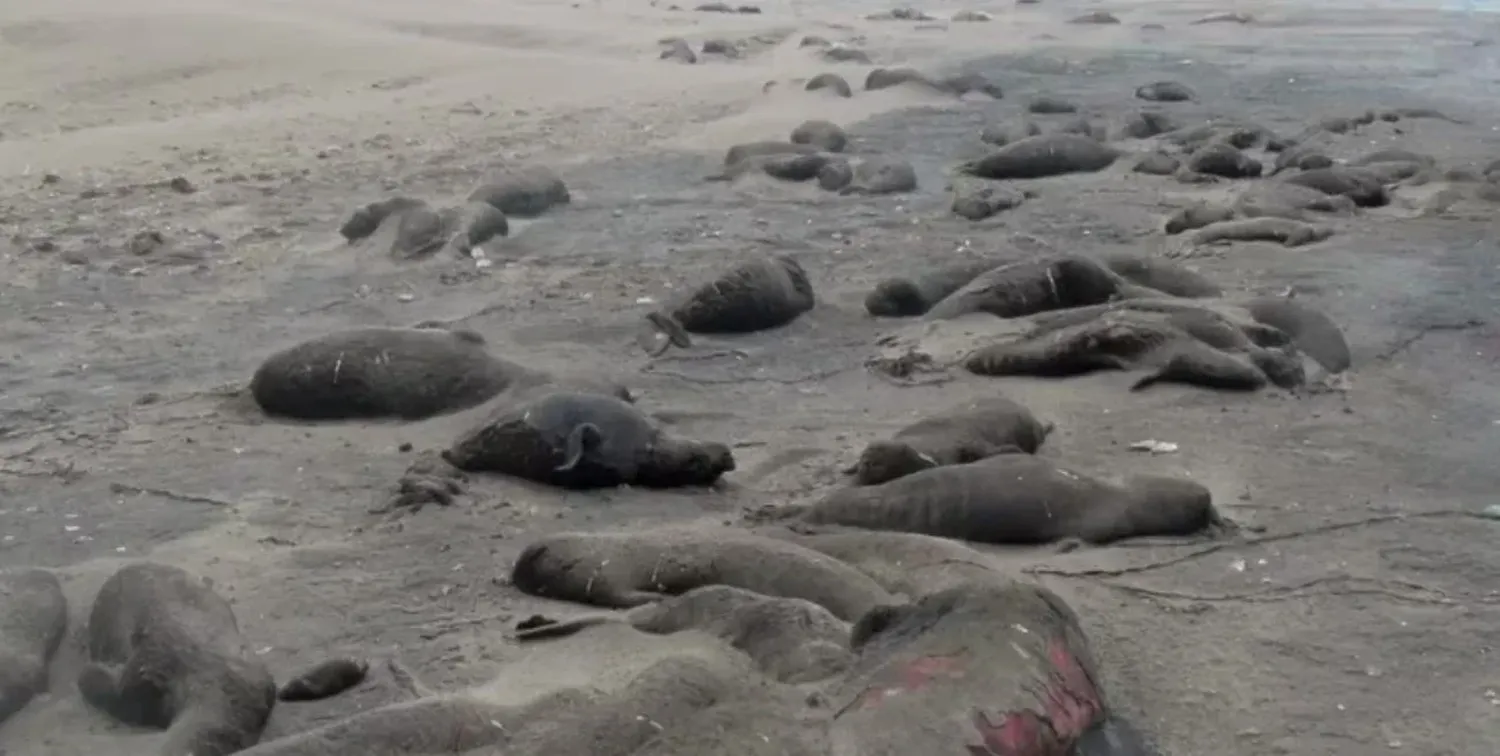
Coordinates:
824 135
1019 499
1310 329
966 433
625 570
754 296
33 616
976 203
1005 132
1161 275
326 679
1165 91
831 82
754 149
1018 289
994 667
1042 156
882 175
909 297
584 440
523 192
1358 184
367 373
1219 159
404 228
165 652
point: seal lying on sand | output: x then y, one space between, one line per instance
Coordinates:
1042 156
1311 330
1161 275
754 296
909 297
1005 132
824 135
406 373
1219 159
33 616
966 433
584 440
1357 184
910 564
832 82
791 640
754 149
1018 499
1024 288
881 175
522 192
996 667
167 653
323 680
1121 340
979 202
1288 233
625 570
787 167
405 228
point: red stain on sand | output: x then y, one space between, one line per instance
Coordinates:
1069 702
915 675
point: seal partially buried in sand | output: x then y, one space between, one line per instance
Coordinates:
754 296
33 616
791 640
994 667
1018 499
584 440
625 570
968 432
166 652
405 373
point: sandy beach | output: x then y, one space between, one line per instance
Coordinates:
1355 613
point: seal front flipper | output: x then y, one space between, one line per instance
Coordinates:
326 679
668 325
549 628
583 439
130 698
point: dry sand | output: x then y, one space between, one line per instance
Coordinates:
1335 639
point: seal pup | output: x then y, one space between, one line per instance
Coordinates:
976 203
583 440
1018 499
166 652
1024 288
1310 329
825 135
791 640
832 82
1358 184
33 616
1050 105
324 680
405 228
758 295
523 192
1279 199
1041 156
473 224
1288 233
1146 124
994 667
1012 130
909 297
1219 159
623 570
881 175
1162 275
884 78
369 373
787 167
968 432
1165 91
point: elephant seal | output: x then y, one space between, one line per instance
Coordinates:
909 564
993 667
1358 184
1120 340
583 440
626 570
368 373
1161 275
1393 156
965 83
909 297
1005 132
1195 216
835 175
166 652
831 82
1024 288
1042 156
825 135
882 175
1301 157
788 167
678 49
1165 91
1311 330
33 616
1050 105
523 192
1018 499
966 433
1146 124
1279 199
755 149
791 640
754 296
885 78
1157 164
324 680
402 227
1289 233
977 203
1219 159
472 224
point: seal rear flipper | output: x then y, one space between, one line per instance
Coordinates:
583 439
129 698
673 329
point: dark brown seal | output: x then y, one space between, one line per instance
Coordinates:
1019 499
1162 275
791 640
1358 184
1219 159
1146 124
1042 156
585 440
994 667
33 616
522 192
825 135
1048 283
1165 91
166 652
401 227
968 432
915 295
625 570
754 296
1051 105
324 680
